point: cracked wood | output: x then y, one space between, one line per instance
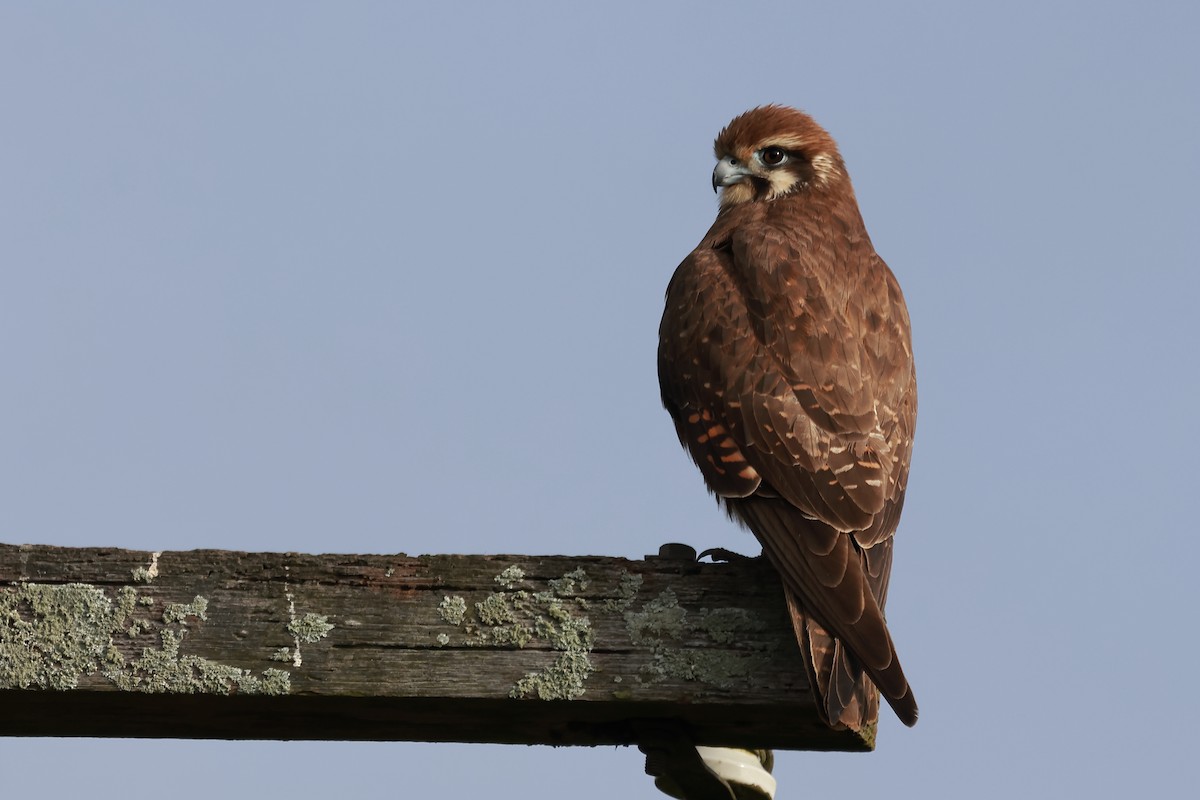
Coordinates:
472 648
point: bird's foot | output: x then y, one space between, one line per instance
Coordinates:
719 554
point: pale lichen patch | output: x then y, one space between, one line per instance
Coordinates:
510 577
725 625
137 627
166 670
722 669
179 612
565 586
555 622
495 610
663 625
309 628
628 587
515 617
453 609
562 680
127 598
148 573
660 618
570 633
51 636
515 635
304 628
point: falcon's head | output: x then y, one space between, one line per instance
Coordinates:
772 151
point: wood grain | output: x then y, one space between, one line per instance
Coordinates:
470 648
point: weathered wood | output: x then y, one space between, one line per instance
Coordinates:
499 648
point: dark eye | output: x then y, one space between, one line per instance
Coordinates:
773 156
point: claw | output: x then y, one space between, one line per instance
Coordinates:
720 554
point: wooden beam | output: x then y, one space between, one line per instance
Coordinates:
470 648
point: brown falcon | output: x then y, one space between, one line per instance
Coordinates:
785 359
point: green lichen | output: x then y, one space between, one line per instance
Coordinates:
137 627
515 636
282 654
148 573
515 617
495 609
662 624
179 612
557 611
727 625
565 586
628 587
661 618
722 669
868 734
167 670
309 628
503 624
127 600
52 636
453 609
555 622
510 577
562 680
570 633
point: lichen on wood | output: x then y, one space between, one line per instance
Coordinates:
533 649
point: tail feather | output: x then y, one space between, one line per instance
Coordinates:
833 588
846 698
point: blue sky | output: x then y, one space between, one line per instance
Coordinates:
383 277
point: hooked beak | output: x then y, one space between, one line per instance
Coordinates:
728 172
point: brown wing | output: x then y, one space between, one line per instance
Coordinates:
795 350
833 371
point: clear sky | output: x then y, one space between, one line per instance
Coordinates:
387 277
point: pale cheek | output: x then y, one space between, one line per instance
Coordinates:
781 184
736 193
826 169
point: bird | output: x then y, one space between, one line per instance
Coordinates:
785 360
